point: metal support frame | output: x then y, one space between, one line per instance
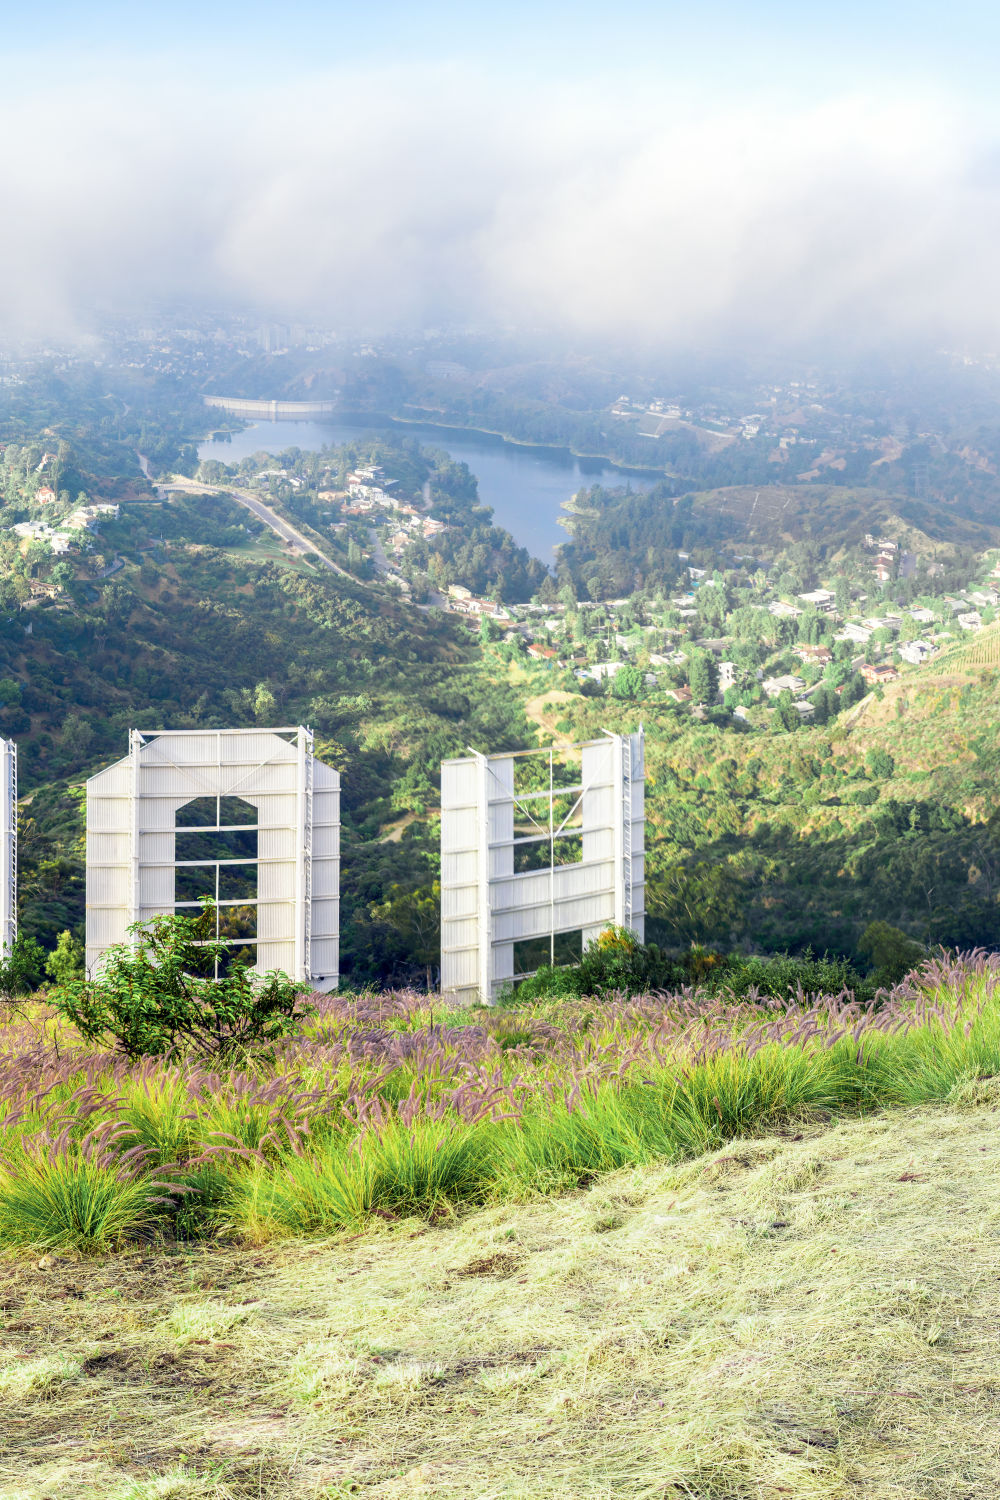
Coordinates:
8 855
486 907
131 829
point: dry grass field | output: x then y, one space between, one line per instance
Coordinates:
810 1314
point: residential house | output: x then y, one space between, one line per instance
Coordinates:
820 599
775 685
820 655
881 673
860 634
971 620
916 652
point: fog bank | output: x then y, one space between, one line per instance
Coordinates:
403 197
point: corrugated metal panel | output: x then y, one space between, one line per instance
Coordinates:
297 801
8 844
486 907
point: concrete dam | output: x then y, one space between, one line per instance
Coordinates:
272 411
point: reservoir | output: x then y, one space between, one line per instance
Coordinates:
525 486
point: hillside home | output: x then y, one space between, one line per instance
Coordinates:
881 673
787 683
916 652
782 611
922 616
820 655
820 599
46 495
971 620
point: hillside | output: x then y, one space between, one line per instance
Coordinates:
774 841
810 1314
757 841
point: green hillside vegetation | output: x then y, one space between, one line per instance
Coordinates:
755 841
192 613
774 841
622 541
208 632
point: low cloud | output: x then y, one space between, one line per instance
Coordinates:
399 198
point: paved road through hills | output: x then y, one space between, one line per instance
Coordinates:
282 528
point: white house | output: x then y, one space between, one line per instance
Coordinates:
820 599
775 685
916 652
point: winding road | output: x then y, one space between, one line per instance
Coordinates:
280 527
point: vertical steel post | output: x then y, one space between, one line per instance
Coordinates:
134 829
552 869
9 932
307 843
300 859
485 901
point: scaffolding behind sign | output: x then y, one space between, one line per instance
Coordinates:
247 816
522 868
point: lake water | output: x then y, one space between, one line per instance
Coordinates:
525 486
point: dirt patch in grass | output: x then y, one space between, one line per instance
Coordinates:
813 1318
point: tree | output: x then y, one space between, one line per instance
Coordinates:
170 993
67 959
264 705
20 968
703 676
627 683
416 916
880 763
786 712
891 953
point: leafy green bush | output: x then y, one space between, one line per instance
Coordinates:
618 963
891 952
781 976
20 968
171 993
615 962
66 961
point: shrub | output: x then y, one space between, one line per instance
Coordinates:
85 1195
66 961
891 952
781 976
169 993
20 968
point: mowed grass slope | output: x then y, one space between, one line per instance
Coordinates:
810 1314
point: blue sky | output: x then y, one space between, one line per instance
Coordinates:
774 44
